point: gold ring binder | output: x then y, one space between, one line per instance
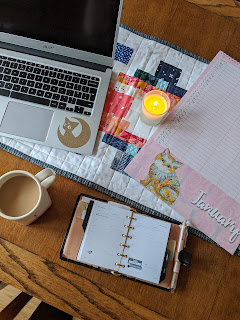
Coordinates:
128 217
122 255
116 273
129 227
126 236
120 265
124 245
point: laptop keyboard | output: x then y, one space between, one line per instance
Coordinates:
49 86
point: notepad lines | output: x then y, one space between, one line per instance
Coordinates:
225 145
191 109
204 133
225 172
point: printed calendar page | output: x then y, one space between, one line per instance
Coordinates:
192 162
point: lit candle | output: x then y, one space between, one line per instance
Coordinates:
154 107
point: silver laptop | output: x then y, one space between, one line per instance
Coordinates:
56 58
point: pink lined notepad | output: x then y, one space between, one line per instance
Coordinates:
202 133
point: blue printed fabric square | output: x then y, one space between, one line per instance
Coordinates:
138 73
168 73
114 142
125 160
161 84
177 91
123 54
116 160
132 150
120 161
146 77
107 138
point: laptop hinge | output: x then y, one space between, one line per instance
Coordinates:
42 54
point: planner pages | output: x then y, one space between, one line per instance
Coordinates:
143 257
119 240
192 162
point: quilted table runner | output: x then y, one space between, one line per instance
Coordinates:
142 63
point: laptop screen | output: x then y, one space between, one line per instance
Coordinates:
87 25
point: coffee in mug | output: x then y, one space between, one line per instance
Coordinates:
23 196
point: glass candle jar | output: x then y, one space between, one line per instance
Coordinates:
155 106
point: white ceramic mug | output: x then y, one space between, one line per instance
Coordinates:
23 196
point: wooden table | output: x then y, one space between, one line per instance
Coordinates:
29 256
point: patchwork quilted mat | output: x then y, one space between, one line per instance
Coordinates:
142 63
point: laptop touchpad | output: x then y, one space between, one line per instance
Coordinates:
26 121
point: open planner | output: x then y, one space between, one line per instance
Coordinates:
114 238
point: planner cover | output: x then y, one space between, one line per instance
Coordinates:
77 250
192 161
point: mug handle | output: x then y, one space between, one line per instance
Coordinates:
46 177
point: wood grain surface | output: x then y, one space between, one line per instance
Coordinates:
207 290
189 26
227 8
45 279
29 256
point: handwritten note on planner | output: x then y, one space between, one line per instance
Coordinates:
199 143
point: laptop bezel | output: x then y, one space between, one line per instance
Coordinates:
59 50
